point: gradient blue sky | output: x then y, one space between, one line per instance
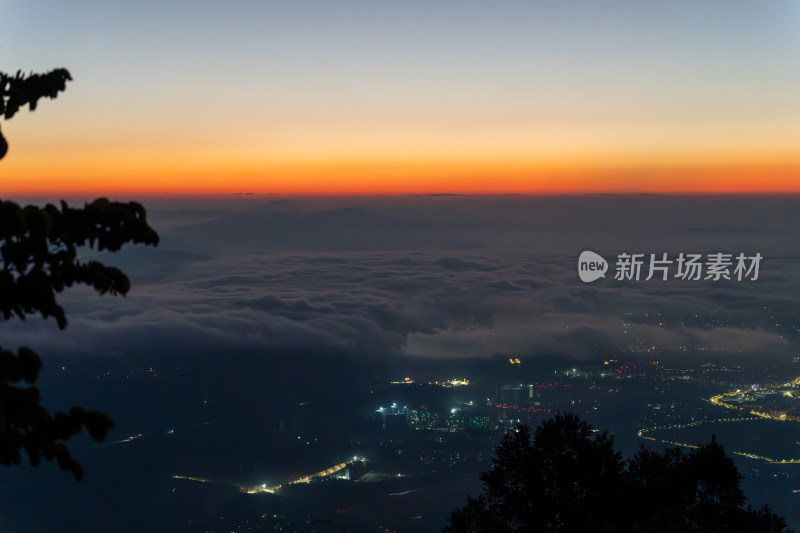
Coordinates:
310 96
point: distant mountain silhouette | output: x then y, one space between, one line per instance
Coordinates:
459 265
277 206
183 213
347 228
146 264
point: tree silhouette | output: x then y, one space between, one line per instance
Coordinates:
19 90
568 477
38 258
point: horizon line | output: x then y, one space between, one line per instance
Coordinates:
433 195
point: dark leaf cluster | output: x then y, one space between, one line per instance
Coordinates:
25 424
38 255
19 90
567 477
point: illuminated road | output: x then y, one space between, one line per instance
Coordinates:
322 474
643 434
722 400
244 488
256 489
121 441
785 388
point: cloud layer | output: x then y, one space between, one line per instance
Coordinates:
441 278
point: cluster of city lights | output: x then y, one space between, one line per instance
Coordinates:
449 383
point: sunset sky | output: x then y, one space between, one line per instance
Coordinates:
361 97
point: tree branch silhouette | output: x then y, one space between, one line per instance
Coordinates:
38 259
19 90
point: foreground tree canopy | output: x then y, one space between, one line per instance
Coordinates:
38 259
568 478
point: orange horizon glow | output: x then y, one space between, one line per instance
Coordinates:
354 178
49 155
404 99
44 158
